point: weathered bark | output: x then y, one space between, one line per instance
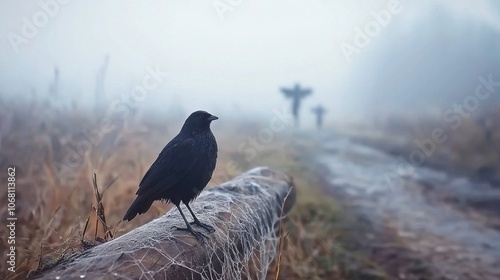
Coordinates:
245 212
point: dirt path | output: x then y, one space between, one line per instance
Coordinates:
448 223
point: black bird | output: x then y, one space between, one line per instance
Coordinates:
181 171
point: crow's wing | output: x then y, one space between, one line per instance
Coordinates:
175 161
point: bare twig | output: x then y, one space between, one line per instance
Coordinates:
99 210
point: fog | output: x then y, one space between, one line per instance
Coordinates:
233 56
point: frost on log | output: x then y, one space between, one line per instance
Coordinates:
245 212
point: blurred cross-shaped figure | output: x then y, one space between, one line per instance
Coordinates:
296 94
319 111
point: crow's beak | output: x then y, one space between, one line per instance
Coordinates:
213 118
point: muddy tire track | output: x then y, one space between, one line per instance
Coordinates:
430 211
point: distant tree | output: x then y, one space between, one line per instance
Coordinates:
296 94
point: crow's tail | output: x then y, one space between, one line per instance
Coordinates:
139 206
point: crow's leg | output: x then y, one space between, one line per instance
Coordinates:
197 222
197 234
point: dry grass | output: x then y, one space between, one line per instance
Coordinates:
63 213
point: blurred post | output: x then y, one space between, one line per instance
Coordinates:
485 122
101 101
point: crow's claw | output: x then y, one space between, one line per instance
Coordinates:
209 228
200 236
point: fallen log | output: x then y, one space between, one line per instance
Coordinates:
245 212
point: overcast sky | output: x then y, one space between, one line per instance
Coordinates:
238 60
